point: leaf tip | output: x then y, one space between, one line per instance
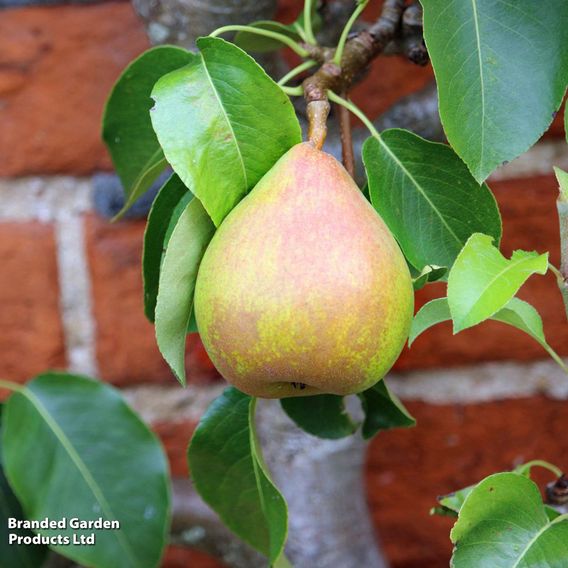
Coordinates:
562 178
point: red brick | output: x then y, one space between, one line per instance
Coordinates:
530 222
31 337
175 437
177 557
57 66
453 446
126 346
557 127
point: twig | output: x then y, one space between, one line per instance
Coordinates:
346 139
357 54
557 494
562 207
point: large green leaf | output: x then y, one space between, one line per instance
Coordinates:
482 280
186 247
169 204
322 415
501 68
13 555
566 120
503 524
451 504
127 129
383 410
516 313
74 449
427 197
229 473
222 123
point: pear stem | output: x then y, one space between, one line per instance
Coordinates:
317 111
340 68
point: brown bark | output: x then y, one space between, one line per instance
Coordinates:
399 26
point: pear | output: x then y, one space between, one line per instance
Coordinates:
303 290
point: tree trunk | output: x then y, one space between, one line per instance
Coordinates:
322 481
181 22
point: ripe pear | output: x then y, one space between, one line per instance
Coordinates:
303 289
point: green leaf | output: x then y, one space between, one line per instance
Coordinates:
435 311
562 178
451 504
15 555
429 274
262 44
186 247
516 313
482 280
566 120
322 415
383 410
501 68
229 473
503 524
427 197
192 325
127 129
222 123
168 205
73 448
523 316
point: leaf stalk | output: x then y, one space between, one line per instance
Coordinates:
294 46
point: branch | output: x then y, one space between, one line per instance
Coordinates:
396 22
327 527
410 42
195 525
346 139
181 23
557 494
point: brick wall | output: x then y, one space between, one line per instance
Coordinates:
70 286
